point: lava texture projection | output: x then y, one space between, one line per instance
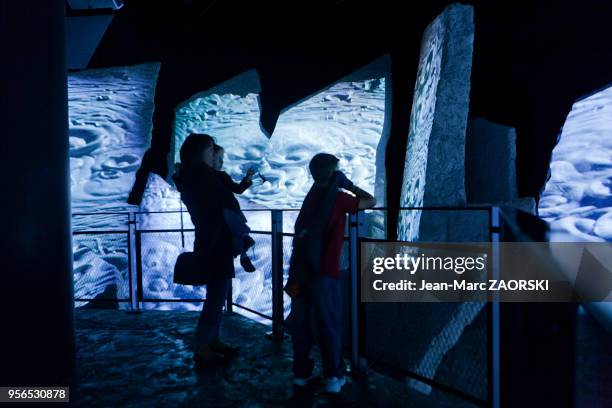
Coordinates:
434 173
577 200
345 120
421 122
444 342
116 106
110 113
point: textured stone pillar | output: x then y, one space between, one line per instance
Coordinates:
37 322
443 341
490 166
377 222
434 173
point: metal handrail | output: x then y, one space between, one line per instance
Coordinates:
101 213
354 238
441 208
358 347
99 232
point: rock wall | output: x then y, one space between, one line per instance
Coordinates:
445 341
434 171
490 166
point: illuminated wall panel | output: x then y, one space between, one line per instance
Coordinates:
110 112
577 200
434 170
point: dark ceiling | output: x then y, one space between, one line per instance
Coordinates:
532 60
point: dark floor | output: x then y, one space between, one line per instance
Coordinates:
133 360
593 363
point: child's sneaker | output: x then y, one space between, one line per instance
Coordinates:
246 264
333 385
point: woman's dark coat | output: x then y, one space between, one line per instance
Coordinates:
205 197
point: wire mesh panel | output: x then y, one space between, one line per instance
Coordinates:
443 342
169 220
289 217
446 343
99 222
253 290
375 224
258 220
158 254
287 249
345 276
101 267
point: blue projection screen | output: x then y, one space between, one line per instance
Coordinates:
110 113
444 342
577 200
345 120
116 105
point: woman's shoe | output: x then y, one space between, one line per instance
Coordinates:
304 381
333 385
205 355
225 349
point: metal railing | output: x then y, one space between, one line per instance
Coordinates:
361 360
357 322
134 234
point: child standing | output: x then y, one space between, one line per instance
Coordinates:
314 272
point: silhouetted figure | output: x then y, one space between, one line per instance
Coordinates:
314 272
235 219
205 198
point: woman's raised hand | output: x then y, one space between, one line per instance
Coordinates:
250 173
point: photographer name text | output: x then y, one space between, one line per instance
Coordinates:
457 285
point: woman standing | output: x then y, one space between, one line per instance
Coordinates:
205 198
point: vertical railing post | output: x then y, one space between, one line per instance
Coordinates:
355 222
278 307
182 226
134 259
494 336
139 287
229 301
